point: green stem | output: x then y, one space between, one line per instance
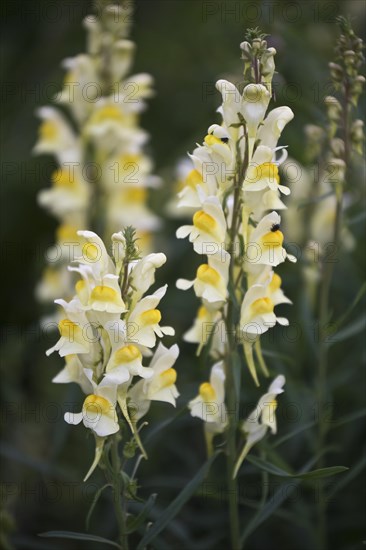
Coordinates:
119 508
326 282
231 396
231 433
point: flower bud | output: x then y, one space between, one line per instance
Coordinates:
356 88
349 57
118 19
336 169
94 36
350 61
256 44
337 147
314 136
268 64
357 135
333 107
246 49
336 72
313 132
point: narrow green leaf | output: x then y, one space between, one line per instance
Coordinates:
134 523
356 300
279 441
347 478
78 536
357 218
348 418
323 472
173 509
267 466
93 504
274 470
276 500
351 330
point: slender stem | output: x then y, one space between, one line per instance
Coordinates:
125 282
231 398
120 510
231 433
326 282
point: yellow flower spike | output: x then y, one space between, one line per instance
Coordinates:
127 354
51 276
205 222
48 130
193 179
168 378
212 140
202 312
63 179
207 392
68 329
91 252
129 158
95 404
267 170
134 194
262 306
108 112
248 352
67 233
80 286
268 412
151 317
273 238
276 283
82 291
208 275
105 294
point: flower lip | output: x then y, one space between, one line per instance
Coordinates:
96 405
208 274
128 353
273 238
168 378
151 317
207 392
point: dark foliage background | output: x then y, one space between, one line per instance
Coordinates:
187 46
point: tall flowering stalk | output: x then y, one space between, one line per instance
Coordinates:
341 144
233 192
103 174
109 331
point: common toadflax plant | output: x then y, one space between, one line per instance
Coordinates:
93 132
110 338
234 193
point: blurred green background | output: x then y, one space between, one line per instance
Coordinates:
186 46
